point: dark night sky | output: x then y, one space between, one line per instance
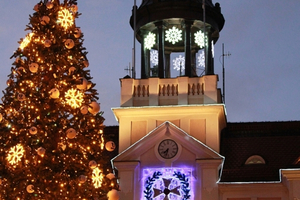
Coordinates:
262 73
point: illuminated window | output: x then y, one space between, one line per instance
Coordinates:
255 159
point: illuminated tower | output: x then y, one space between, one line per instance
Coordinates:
168 120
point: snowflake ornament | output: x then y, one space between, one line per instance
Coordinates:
65 18
97 177
154 57
74 98
179 63
149 40
199 39
201 60
15 154
173 35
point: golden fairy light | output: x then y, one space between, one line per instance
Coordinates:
97 177
26 41
15 154
74 98
65 18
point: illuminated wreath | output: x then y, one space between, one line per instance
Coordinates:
151 192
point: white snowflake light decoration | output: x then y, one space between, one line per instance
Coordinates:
15 154
179 63
149 40
26 41
65 18
201 60
154 57
173 35
74 98
199 39
97 177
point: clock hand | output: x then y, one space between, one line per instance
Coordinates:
166 152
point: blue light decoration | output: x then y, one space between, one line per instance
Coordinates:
167 184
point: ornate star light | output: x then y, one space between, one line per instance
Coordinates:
199 39
170 188
173 35
149 40
26 41
179 63
154 57
201 60
65 18
74 98
97 177
15 154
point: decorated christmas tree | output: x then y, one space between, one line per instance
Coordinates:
52 140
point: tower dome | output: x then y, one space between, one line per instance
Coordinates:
176 26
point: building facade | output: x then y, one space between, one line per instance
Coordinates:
174 139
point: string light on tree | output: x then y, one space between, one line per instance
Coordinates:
173 35
26 41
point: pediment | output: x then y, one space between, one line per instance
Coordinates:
167 130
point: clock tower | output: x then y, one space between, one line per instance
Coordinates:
170 121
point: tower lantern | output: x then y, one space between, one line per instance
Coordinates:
164 27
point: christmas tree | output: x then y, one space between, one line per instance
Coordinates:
52 140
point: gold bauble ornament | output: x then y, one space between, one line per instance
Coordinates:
33 130
20 70
83 83
113 195
110 176
82 179
84 110
45 20
92 164
47 43
110 146
1 117
30 189
77 33
49 5
21 97
33 67
94 107
36 7
9 82
71 70
74 8
69 43
71 133
54 93
41 151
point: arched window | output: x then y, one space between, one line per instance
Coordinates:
255 159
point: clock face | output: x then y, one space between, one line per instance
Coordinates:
168 149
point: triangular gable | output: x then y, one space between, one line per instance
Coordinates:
167 130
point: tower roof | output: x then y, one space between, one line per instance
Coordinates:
157 10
